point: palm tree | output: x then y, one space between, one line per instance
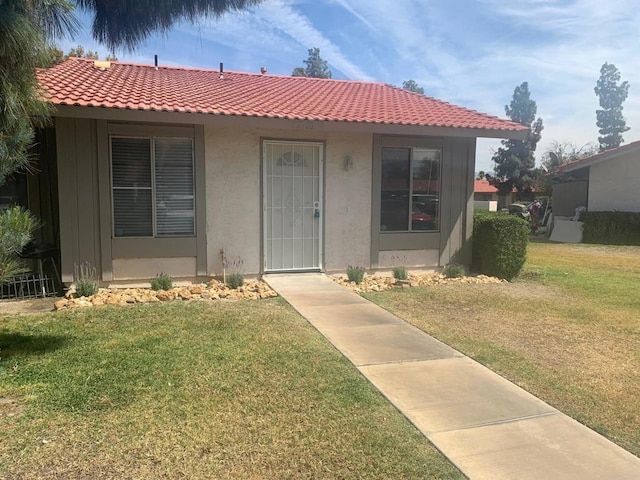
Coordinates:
126 23
26 26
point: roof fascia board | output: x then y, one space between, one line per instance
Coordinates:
123 115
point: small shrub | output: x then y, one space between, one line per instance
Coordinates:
235 280
400 273
85 277
162 282
453 271
355 274
499 244
86 287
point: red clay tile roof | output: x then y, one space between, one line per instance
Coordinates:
483 186
173 89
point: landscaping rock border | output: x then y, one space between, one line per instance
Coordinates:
379 283
212 290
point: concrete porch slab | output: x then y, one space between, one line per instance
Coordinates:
302 283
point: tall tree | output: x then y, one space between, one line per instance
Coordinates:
412 86
611 95
560 153
316 67
514 161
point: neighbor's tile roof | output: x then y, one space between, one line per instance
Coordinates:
483 186
175 89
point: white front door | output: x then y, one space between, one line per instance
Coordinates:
292 200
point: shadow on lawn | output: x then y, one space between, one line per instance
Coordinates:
12 344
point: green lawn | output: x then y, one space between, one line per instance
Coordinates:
194 390
567 330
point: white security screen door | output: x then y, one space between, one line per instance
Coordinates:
292 206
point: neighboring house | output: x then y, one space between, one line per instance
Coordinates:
483 191
166 169
603 182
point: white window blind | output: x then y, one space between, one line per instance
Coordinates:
132 187
153 187
174 186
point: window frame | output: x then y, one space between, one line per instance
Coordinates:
411 193
153 188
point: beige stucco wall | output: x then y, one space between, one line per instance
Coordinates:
413 258
614 184
234 203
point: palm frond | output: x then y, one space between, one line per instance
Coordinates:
126 23
55 18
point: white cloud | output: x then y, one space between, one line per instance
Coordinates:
283 16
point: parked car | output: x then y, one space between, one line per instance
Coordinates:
520 210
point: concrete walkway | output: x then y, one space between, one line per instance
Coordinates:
487 426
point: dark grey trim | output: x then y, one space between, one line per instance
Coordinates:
201 200
115 114
159 247
134 130
459 193
104 188
65 141
78 193
467 248
446 197
154 247
383 241
376 185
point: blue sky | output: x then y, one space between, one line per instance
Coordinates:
471 53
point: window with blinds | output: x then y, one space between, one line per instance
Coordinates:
153 187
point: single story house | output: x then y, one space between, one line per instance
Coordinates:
606 181
483 191
188 171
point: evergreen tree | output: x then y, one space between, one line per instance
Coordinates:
611 95
412 86
514 161
316 67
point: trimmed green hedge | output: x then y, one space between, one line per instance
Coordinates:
499 244
611 228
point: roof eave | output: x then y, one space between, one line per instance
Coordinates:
600 157
123 114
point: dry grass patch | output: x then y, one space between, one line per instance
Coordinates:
568 331
195 390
